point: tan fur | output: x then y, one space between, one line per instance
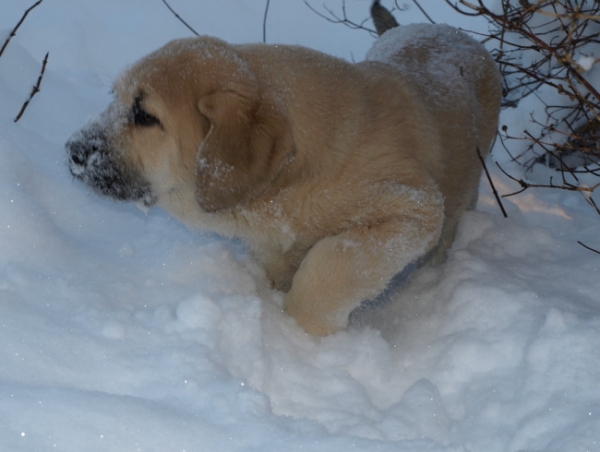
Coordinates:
337 175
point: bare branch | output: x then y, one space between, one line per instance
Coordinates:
565 186
587 247
423 11
14 30
35 90
265 22
489 178
333 18
180 19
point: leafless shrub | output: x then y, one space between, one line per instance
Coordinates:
545 48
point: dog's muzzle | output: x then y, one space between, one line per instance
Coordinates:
93 161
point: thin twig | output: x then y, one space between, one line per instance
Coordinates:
178 17
489 178
14 31
265 22
592 203
333 18
525 185
36 88
587 247
423 11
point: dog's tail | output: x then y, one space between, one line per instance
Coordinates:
382 18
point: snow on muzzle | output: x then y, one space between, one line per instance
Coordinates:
93 160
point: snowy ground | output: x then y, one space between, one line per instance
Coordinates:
123 331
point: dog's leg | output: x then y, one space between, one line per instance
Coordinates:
342 271
281 267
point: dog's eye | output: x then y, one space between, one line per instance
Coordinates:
143 118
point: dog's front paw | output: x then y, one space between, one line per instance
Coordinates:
315 318
342 271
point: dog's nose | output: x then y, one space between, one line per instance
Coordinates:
78 152
82 146
77 159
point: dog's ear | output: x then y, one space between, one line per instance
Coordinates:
245 149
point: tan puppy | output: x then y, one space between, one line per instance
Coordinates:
337 175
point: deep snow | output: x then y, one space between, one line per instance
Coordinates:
123 331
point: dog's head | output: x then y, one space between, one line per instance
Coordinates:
189 118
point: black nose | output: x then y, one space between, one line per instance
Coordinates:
78 154
83 145
77 159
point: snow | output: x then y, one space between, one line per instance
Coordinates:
124 331
586 62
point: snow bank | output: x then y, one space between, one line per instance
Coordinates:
122 330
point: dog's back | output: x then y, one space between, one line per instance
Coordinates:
459 86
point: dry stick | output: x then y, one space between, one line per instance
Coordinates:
423 11
265 22
178 17
36 88
337 20
489 178
592 203
14 31
587 247
525 185
570 76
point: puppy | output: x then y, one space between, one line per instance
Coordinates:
336 175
